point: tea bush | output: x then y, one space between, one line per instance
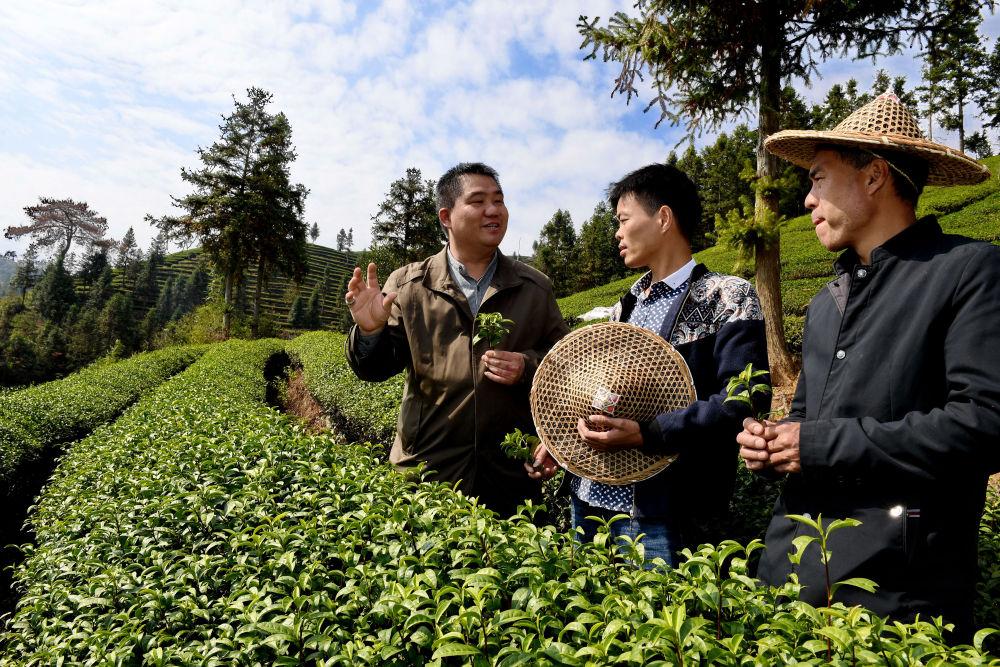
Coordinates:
205 528
362 410
33 420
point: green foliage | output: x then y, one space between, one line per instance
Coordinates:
597 256
555 252
518 445
406 227
491 327
363 410
987 607
34 420
742 387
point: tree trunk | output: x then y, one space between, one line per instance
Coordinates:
227 310
256 296
961 123
768 257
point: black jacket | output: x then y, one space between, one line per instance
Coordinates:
899 400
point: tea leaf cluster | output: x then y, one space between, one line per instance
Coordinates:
34 420
203 527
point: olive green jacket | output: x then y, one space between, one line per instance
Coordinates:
452 418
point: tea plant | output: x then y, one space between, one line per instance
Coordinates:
518 445
203 527
36 419
491 327
743 387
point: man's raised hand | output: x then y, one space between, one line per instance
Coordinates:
369 306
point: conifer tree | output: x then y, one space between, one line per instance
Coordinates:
59 223
27 272
708 66
406 226
555 252
598 260
244 208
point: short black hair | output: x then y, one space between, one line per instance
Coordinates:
657 185
449 186
909 172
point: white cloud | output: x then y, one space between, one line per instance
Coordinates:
106 101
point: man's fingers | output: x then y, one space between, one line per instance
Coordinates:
372 275
388 299
753 454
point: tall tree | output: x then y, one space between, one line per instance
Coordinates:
314 232
243 207
54 295
59 223
709 65
555 252
979 145
26 273
986 97
961 66
597 258
129 257
406 226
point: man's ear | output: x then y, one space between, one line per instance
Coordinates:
444 215
876 175
665 216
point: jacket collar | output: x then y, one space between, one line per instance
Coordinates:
913 237
629 300
438 278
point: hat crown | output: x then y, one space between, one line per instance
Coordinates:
883 116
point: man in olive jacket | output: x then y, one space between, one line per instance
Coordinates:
896 416
460 398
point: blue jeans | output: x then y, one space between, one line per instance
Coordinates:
661 539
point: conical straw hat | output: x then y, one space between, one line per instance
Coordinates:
611 368
882 124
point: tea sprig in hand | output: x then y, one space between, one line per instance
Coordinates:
741 388
520 446
491 327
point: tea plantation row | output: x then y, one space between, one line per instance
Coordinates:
33 420
203 527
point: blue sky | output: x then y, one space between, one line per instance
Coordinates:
106 101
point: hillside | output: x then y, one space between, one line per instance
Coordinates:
806 266
280 291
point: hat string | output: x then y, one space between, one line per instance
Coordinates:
896 169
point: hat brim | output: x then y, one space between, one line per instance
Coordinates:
946 166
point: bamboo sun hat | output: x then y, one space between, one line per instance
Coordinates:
611 368
882 124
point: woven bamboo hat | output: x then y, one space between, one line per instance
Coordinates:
610 368
886 124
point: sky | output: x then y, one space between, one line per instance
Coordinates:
105 101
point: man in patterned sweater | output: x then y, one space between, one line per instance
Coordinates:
716 324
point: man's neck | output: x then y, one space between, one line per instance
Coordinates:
668 264
885 224
475 263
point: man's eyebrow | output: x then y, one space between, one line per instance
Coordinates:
483 192
815 170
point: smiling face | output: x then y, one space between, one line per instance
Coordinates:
478 221
640 234
840 202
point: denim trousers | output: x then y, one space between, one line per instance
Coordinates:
661 540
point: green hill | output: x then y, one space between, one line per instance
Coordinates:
279 291
806 266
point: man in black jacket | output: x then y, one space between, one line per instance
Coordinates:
896 416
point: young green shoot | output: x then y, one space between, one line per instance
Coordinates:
742 388
491 327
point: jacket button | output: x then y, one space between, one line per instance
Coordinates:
862 273
841 354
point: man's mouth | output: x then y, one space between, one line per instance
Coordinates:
816 221
492 225
621 250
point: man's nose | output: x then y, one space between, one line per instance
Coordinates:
811 201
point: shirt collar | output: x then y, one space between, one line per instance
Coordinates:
673 281
460 269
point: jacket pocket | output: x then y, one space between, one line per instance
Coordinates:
410 414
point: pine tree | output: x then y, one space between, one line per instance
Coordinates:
129 256
297 313
244 208
341 240
406 225
314 232
555 252
961 67
708 66
54 294
27 272
598 260
59 223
